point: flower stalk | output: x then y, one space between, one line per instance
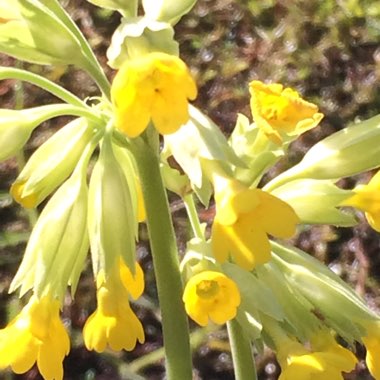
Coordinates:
165 261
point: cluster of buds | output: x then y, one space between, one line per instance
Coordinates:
97 190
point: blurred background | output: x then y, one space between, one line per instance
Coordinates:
329 50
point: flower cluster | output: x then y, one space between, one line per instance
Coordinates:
108 170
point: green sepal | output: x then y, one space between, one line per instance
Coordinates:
16 127
200 139
329 294
126 8
256 295
111 219
167 10
139 36
345 153
250 323
58 245
52 162
299 319
254 149
22 36
316 201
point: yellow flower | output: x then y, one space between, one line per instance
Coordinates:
372 344
211 295
367 199
155 87
35 335
244 218
278 111
113 323
134 284
327 362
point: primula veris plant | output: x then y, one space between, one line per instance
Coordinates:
110 168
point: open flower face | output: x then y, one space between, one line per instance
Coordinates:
154 87
211 296
36 335
244 218
278 111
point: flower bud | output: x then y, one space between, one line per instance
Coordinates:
58 245
111 217
52 163
316 201
17 126
22 36
345 153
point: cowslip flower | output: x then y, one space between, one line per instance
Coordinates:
114 323
36 334
154 87
372 344
367 199
244 218
211 296
324 362
278 111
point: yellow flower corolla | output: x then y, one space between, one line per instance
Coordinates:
244 219
372 344
327 363
211 296
133 283
367 199
278 111
114 323
35 335
153 87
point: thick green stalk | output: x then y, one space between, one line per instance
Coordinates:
165 261
242 356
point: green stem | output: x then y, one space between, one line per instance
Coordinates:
165 261
97 74
188 199
242 356
55 110
37 80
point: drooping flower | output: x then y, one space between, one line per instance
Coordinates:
321 363
279 112
244 218
211 296
367 199
113 323
154 87
372 344
35 335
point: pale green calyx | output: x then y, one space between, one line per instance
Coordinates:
316 201
325 290
58 245
52 163
17 126
167 10
139 36
347 152
21 35
200 140
128 8
111 219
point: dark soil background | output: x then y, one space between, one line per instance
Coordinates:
328 50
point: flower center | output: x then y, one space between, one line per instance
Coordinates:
207 289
